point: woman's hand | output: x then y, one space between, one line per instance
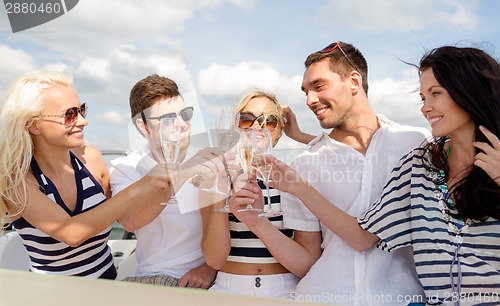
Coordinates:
292 128
489 159
155 184
247 191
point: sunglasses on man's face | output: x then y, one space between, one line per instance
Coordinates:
186 115
70 115
267 121
336 45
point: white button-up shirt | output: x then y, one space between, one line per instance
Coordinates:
352 181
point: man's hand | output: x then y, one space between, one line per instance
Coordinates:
201 277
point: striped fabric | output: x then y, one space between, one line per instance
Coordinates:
93 257
407 214
245 245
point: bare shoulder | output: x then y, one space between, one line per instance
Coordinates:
92 158
88 154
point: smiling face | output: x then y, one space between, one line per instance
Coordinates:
444 115
262 105
51 130
328 96
162 107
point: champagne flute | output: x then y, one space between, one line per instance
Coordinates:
226 138
228 123
246 156
232 168
262 147
170 137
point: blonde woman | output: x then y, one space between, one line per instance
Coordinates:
245 264
52 184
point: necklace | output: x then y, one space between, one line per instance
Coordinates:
447 217
445 202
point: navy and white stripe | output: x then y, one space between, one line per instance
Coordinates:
408 214
49 256
245 245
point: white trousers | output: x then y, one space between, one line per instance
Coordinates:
274 285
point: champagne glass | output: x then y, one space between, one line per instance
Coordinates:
232 168
226 138
245 149
227 124
262 147
170 137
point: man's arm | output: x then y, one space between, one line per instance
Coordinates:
342 224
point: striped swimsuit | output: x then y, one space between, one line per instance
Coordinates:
245 245
93 257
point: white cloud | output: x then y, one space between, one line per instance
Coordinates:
112 117
399 16
115 72
246 4
220 80
13 63
95 67
398 100
106 23
60 67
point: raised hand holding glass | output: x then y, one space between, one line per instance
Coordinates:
170 137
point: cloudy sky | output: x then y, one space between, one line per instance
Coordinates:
215 49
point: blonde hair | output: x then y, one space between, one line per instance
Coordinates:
22 101
257 93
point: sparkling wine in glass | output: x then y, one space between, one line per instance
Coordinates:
170 137
246 154
263 147
226 138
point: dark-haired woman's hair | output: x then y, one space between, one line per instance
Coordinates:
472 78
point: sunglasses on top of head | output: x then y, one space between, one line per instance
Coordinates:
336 45
267 121
186 115
70 115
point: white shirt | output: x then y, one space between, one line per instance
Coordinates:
171 243
352 181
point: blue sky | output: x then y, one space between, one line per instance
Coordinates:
215 49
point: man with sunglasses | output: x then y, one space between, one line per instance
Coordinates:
168 242
349 166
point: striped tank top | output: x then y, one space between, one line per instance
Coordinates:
246 246
93 257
